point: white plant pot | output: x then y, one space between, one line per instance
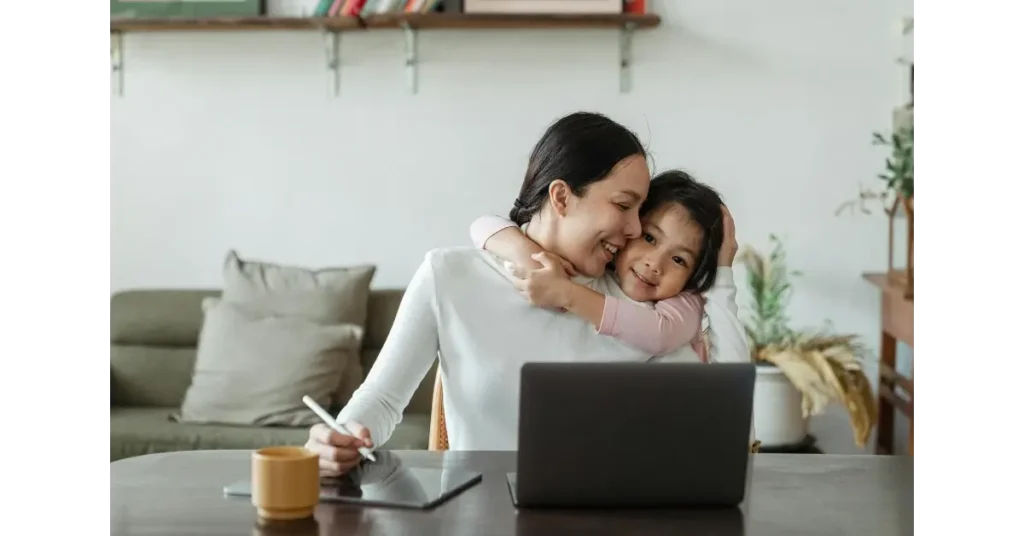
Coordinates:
778 417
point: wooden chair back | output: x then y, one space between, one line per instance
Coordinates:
438 431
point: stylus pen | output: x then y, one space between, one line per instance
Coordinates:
337 426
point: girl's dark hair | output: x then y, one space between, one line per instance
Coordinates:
580 148
705 207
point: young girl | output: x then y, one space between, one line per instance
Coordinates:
671 263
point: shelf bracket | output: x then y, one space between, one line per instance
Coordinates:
332 49
412 59
117 63
626 57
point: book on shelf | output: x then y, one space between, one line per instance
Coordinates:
365 8
635 7
157 9
206 9
546 7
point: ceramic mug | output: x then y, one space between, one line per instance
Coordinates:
285 483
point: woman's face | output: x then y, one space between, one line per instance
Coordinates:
592 228
658 264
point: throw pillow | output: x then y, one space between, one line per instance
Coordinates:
253 368
338 295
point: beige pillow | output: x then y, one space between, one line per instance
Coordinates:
253 368
338 295
330 295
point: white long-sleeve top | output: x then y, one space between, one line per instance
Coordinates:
461 307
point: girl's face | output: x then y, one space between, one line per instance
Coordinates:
657 264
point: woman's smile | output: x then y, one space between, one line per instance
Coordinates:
609 250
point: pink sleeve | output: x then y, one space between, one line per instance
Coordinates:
671 324
485 226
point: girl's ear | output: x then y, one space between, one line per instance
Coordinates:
559 196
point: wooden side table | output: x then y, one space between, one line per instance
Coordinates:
895 391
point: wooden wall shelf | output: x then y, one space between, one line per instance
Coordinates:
416 21
241 24
410 24
429 21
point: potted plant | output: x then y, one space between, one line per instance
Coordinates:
798 372
896 196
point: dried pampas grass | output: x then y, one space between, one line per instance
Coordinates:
827 368
823 367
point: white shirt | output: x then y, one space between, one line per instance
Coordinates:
461 307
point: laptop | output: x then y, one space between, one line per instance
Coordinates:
633 435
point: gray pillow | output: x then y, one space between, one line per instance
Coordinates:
253 368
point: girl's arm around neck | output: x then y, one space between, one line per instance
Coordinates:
501 237
586 303
406 357
485 227
670 325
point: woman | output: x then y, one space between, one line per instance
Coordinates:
584 185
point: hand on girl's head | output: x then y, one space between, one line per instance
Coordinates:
727 254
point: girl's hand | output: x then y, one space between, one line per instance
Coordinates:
570 270
548 286
727 254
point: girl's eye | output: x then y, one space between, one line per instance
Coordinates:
623 206
679 260
648 238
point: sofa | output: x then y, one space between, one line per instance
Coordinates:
154 335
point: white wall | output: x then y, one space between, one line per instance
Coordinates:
232 140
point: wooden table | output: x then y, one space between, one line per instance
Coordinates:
895 391
792 494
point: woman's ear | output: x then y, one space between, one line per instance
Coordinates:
559 196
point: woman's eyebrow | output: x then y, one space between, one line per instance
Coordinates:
636 196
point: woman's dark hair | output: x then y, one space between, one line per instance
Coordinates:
705 207
580 148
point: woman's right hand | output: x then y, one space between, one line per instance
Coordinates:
727 254
338 452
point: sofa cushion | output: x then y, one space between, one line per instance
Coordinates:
381 310
254 369
138 431
157 317
337 295
330 295
150 376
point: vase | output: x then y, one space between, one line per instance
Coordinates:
901 244
778 411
